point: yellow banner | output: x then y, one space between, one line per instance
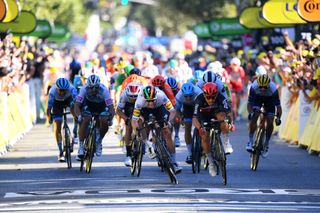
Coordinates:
4 137
309 10
282 12
251 18
13 11
3 9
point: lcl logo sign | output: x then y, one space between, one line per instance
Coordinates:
309 10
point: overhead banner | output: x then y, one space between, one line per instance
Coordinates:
3 9
43 29
202 30
282 12
251 18
227 26
25 23
13 10
309 10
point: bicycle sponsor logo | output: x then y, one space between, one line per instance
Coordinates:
309 10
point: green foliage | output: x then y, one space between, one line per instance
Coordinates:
72 13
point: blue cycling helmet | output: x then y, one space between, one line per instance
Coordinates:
62 83
187 89
172 83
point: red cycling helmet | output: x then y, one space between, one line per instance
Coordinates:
210 89
158 81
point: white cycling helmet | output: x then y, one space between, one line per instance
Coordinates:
215 67
133 89
235 61
93 81
209 76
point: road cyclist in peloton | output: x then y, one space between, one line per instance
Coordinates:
209 100
93 98
263 92
61 95
153 101
185 106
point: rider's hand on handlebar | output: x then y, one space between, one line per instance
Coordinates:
202 131
250 116
278 121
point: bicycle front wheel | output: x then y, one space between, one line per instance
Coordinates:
196 152
67 146
133 157
257 149
219 155
139 158
90 151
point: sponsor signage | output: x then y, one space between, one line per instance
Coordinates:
43 29
282 12
228 26
202 30
309 10
252 18
25 23
13 10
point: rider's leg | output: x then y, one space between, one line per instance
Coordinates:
75 123
58 136
187 137
103 126
269 129
127 140
205 142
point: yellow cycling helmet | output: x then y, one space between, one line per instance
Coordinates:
263 80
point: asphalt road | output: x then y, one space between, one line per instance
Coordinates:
32 180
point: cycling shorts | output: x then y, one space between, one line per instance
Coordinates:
187 112
265 101
159 113
90 108
58 107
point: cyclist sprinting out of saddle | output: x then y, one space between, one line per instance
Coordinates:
263 93
61 95
210 105
154 101
93 98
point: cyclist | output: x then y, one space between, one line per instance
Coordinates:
134 76
209 76
61 95
264 93
172 82
125 111
185 103
209 100
94 97
152 100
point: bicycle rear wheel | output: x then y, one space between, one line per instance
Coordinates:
257 148
196 152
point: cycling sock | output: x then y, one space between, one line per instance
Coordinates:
225 138
210 158
267 140
173 157
75 130
60 147
176 132
189 148
251 137
128 148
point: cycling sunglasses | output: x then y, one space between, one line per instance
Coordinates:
62 91
132 96
188 96
263 87
95 87
210 97
150 101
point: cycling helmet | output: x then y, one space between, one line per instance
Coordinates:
93 81
62 83
158 81
210 89
187 89
133 89
135 71
218 76
172 83
235 61
209 76
215 66
150 93
128 68
263 80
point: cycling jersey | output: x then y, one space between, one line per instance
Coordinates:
54 95
102 95
268 98
77 83
141 103
181 100
168 91
220 105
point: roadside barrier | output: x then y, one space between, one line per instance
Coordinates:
15 117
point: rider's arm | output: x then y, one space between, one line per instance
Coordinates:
196 113
136 112
121 106
79 101
251 98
